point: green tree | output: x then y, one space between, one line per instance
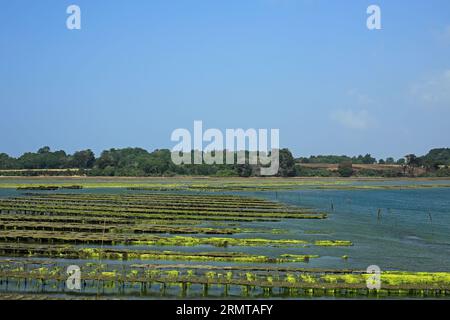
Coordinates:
7 162
43 150
287 164
83 159
412 160
345 169
244 170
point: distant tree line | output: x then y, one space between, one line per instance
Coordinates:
435 163
44 158
140 162
332 159
130 162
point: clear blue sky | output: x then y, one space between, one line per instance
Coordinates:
140 69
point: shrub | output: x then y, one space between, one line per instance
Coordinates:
309 172
443 172
345 169
369 173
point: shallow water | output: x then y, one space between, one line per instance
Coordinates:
403 237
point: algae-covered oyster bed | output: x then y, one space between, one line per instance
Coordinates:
162 280
244 238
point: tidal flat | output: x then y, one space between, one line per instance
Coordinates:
224 237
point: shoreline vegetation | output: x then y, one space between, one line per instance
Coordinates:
138 162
